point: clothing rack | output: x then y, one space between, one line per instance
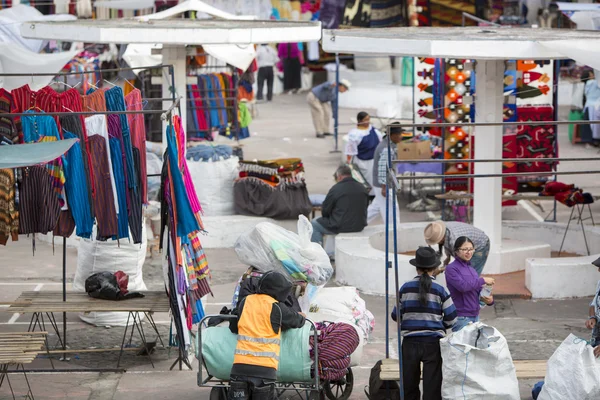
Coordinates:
166 114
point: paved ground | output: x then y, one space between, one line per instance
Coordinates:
533 328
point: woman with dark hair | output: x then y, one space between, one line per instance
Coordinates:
362 142
426 311
465 285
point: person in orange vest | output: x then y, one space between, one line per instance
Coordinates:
261 318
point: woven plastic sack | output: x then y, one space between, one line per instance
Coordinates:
270 247
573 372
218 347
477 365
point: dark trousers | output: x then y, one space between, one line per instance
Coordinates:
265 74
413 354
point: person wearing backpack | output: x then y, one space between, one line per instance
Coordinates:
426 312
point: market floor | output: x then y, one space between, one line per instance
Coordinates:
534 329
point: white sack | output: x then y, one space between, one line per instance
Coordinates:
213 181
477 365
95 256
573 372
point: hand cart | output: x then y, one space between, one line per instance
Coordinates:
315 389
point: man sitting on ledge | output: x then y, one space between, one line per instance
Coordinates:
344 208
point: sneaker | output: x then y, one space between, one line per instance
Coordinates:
320 135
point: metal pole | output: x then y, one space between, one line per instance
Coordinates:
515 160
517 123
392 192
465 176
387 266
337 103
64 288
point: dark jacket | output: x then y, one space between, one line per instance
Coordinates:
345 207
250 286
282 317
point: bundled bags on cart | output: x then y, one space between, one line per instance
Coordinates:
270 247
573 372
477 365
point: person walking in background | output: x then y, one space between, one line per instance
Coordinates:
320 99
291 61
465 285
426 311
344 208
445 235
362 143
380 158
266 58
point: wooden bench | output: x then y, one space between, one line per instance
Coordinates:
19 348
526 369
43 305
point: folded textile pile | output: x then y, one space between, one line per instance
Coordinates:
569 195
335 344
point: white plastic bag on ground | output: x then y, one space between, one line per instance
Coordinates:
477 365
270 247
213 181
95 256
573 372
342 304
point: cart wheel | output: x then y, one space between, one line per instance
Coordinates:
341 389
218 393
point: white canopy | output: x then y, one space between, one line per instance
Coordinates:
586 16
125 4
12 18
471 42
14 59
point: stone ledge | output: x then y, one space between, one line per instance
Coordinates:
559 278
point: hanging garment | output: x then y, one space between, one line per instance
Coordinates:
76 187
116 102
386 13
535 141
9 216
357 13
189 185
94 102
8 132
97 125
65 226
119 174
73 124
138 137
38 201
114 131
106 214
135 209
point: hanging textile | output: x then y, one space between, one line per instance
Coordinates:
39 204
137 126
117 157
9 211
76 187
386 13
357 13
106 214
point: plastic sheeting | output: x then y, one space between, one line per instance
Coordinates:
15 59
214 185
23 155
218 347
10 25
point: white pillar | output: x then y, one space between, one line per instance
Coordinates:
176 56
487 213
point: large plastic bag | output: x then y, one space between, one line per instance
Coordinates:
270 247
109 286
573 372
342 304
477 365
213 181
96 256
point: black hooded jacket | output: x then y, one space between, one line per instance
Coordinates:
250 286
276 285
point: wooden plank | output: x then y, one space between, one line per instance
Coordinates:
526 369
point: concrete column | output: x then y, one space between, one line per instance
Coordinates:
176 56
487 212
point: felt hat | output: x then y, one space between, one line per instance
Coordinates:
396 128
435 232
345 82
426 258
596 263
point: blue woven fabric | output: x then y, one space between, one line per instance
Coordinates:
76 188
117 164
209 153
115 101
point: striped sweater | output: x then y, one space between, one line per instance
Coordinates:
425 320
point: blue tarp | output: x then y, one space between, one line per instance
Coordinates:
25 155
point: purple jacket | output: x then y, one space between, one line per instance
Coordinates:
464 286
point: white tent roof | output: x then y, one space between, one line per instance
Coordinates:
125 4
470 42
15 59
175 32
197 6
